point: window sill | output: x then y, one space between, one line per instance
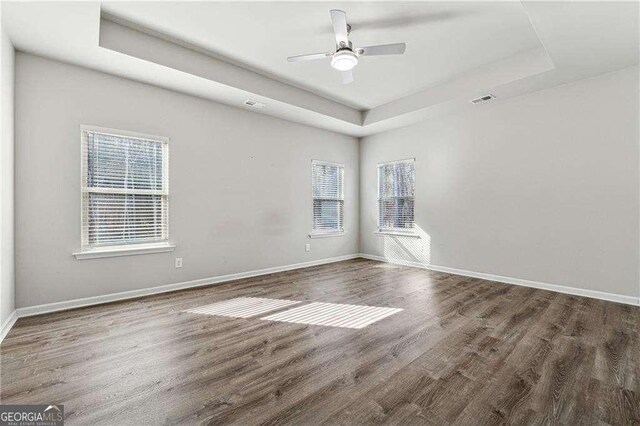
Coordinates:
117 251
327 234
398 234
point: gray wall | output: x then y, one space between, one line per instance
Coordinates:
7 298
541 187
240 184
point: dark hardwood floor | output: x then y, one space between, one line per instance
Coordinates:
463 351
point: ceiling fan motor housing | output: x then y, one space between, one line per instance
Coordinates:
344 45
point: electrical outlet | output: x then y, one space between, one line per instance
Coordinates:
178 262
307 247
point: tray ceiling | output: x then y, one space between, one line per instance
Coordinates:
443 39
229 52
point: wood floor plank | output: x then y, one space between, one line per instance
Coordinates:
461 351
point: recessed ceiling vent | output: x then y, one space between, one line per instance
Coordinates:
482 99
254 104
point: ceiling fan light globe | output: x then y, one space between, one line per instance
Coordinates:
344 61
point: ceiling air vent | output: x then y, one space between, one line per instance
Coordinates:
254 104
482 99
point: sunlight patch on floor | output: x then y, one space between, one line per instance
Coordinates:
333 314
243 307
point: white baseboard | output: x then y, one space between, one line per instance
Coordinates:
7 324
594 294
113 297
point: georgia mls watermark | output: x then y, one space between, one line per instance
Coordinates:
31 415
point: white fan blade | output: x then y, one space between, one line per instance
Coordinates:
347 77
382 49
309 57
339 20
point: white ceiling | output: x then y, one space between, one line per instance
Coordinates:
455 51
443 39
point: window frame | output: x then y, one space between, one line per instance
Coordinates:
89 251
411 232
332 232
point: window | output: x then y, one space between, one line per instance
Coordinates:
328 197
396 190
125 189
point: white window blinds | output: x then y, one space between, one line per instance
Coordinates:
396 190
328 197
125 189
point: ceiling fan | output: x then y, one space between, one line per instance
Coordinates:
346 57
